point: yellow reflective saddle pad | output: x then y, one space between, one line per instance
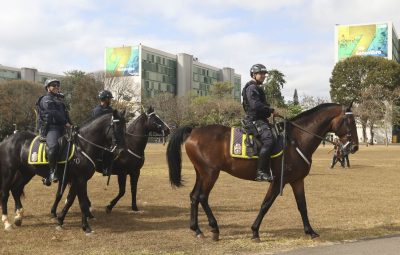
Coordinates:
238 148
37 153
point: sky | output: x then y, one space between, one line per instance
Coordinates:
295 37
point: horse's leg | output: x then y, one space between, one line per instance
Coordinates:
17 190
70 200
83 203
91 216
299 194
208 184
57 200
269 199
134 181
5 193
194 207
121 192
348 161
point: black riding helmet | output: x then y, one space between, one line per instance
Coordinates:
105 94
48 81
258 68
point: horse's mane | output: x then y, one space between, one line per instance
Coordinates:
313 110
92 119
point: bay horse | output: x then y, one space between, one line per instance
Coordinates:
103 133
129 162
208 150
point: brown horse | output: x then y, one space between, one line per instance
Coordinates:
208 149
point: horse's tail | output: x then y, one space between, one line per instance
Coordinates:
174 155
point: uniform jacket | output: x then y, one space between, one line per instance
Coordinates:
52 112
255 102
100 110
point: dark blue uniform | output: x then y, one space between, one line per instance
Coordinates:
100 110
53 116
257 111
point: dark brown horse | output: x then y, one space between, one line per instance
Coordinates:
208 149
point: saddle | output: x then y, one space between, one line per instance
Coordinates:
246 146
38 150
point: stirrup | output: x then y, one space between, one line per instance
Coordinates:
264 177
46 182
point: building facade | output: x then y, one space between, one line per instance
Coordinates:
153 71
27 74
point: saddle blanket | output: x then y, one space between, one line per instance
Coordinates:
238 148
37 153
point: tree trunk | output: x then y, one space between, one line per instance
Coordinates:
371 130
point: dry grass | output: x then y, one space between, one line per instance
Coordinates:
343 205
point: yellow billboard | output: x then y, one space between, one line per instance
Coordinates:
122 61
362 40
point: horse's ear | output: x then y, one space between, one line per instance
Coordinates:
123 113
350 105
115 113
150 110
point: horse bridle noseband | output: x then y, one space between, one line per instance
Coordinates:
158 126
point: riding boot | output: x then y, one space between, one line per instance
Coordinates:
52 177
263 169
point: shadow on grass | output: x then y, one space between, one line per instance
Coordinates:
326 234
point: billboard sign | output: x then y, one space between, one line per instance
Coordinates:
362 40
122 61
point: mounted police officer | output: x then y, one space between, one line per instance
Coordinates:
104 107
257 111
53 119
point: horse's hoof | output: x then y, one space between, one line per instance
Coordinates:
200 236
89 233
59 228
108 210
256 240
18 222
8 227
314 235
215 236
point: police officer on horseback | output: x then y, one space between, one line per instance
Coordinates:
257 111
53 119
104 107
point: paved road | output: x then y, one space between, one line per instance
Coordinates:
389 245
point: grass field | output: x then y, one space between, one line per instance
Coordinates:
343 205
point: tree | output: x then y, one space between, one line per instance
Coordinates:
355 79
272 88
292 109
295 98
308 102
172 109
221 90
18 105
81 96
349 78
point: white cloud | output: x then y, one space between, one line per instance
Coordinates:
56 36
